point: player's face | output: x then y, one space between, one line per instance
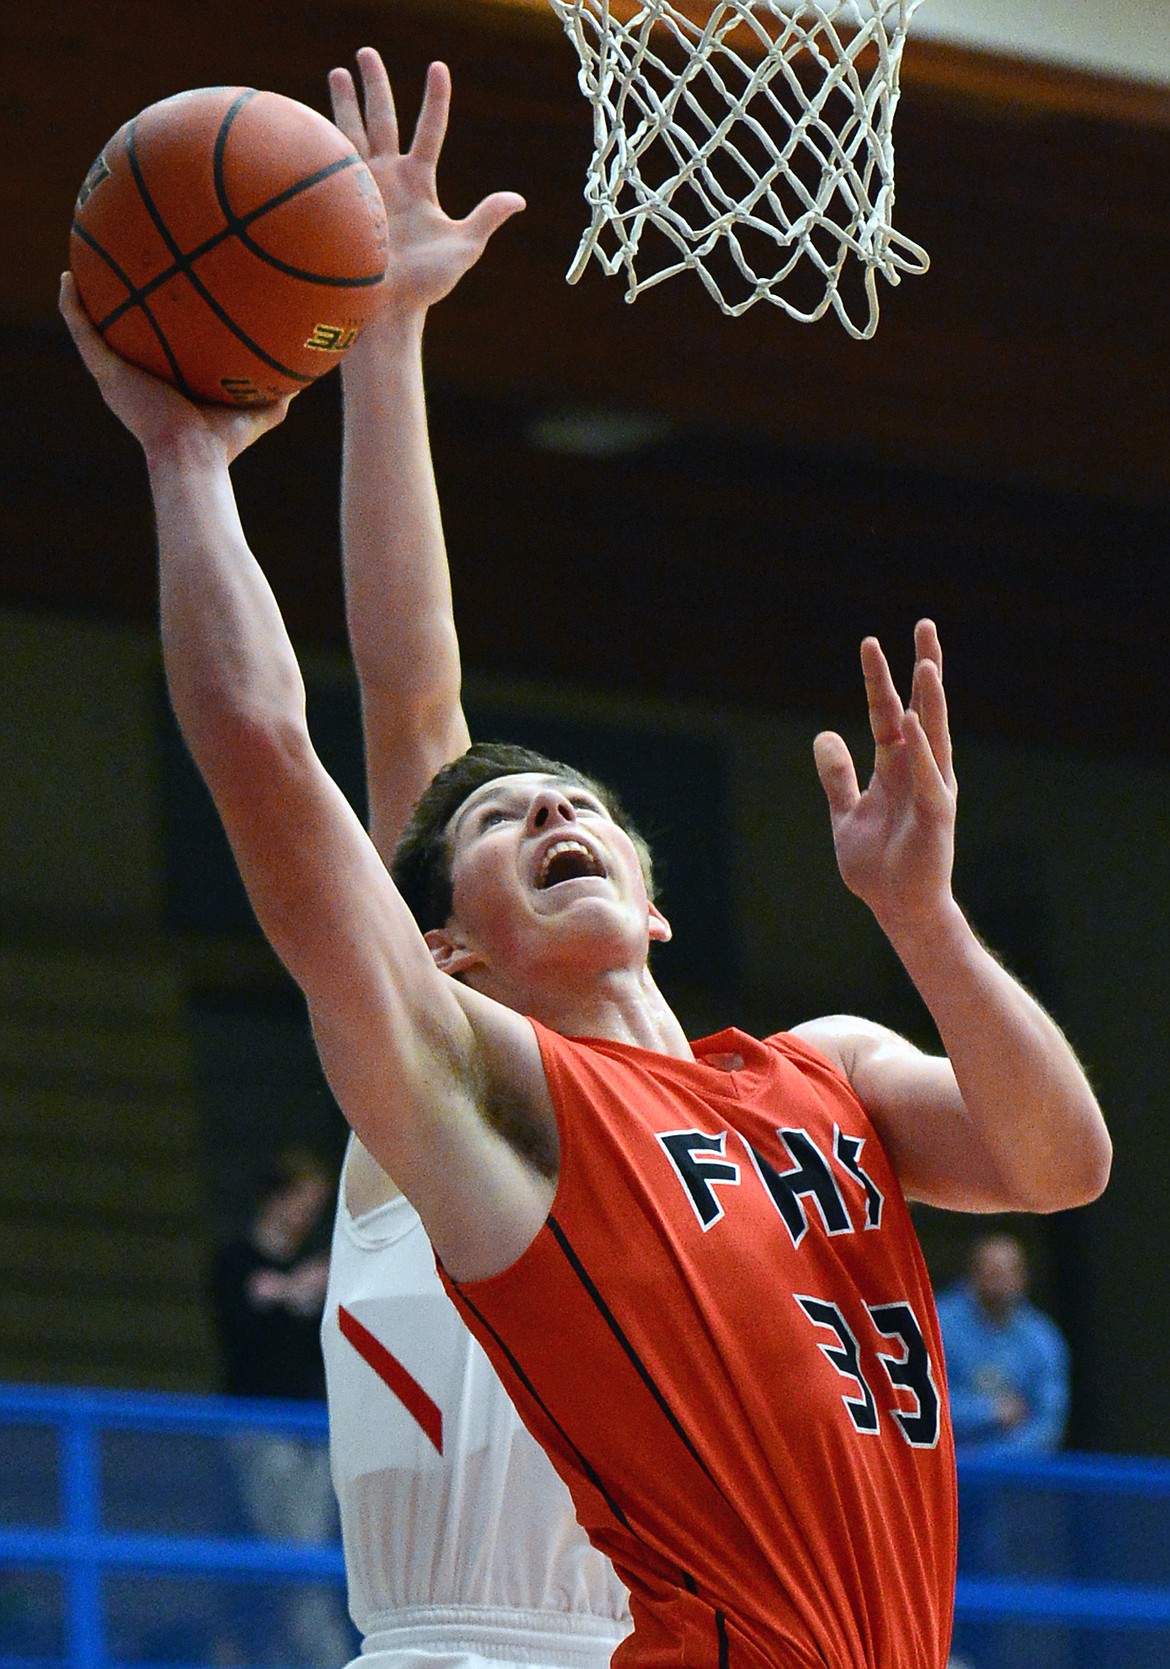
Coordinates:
540 870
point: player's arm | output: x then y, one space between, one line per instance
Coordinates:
1007 1120
398 593
415 1061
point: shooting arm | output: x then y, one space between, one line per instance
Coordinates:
408 1054
236 688
411 1057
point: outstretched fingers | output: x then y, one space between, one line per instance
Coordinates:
926 643
928 698
431 128
347 114
378 102
834 765
885 704
487 217
371 123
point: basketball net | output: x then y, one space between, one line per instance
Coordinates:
748 141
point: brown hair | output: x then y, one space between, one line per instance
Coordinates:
422 860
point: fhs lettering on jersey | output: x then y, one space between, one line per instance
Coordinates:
699 1176
848 1151
699 1162
397 1379
813 1177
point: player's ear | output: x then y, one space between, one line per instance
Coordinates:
659 926
449 953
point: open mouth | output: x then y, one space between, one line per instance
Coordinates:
567 860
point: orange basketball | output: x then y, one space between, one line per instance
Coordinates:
231 241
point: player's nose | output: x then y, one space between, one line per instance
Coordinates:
549 806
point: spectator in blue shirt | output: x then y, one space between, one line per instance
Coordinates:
1007 1363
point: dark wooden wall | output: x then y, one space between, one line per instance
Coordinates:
997 455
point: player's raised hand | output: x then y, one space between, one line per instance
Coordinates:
429 252
895 839
156 414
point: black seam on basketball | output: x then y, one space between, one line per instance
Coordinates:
183 266
87 237
721 1636
639 1366
180 266
181 263
147 200
111 318
238 224
181 382
185 262
594 1477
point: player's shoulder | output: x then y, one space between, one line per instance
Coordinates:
840 1037
802 1043
835 1043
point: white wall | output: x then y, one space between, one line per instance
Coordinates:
1114 37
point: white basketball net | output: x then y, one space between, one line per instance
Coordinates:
756 137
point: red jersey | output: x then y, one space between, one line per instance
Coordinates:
725 1339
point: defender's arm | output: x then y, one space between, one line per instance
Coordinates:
398 592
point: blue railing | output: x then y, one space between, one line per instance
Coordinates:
125 1537
1064 1563
126 1540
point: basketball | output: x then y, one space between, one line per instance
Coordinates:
230 241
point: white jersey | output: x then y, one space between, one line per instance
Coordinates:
460 1540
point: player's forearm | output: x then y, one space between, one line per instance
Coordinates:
1023 1089
227 655
398 593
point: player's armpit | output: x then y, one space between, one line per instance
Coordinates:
474 1148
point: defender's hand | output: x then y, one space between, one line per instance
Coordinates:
895 840
156 414
429 252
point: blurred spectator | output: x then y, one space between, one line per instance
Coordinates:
267 1294
1007 1364
268 1286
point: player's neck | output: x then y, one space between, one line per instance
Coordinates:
622 1007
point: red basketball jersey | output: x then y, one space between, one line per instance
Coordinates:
725 1339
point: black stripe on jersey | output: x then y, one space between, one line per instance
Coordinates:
588 1470
639 1366
721 1636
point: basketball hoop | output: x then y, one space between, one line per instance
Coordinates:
749 141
